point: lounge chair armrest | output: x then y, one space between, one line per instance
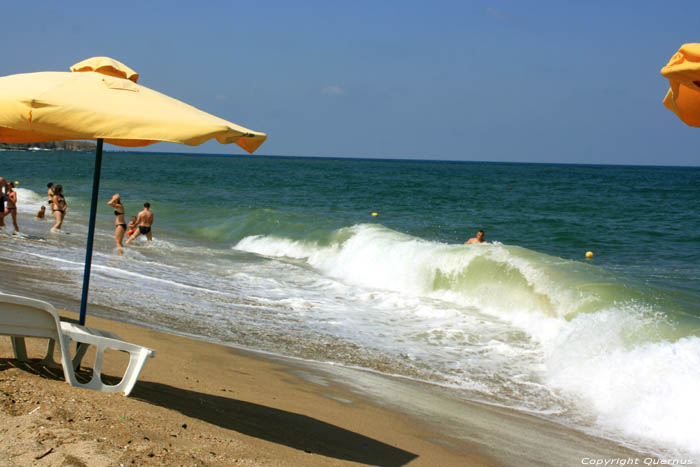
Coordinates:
103 340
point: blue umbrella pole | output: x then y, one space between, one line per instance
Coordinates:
91 230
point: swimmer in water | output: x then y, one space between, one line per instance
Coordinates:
478 239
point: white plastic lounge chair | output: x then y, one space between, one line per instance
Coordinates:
22 317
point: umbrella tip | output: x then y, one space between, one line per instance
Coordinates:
106 66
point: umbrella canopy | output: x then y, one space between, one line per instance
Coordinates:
683 73
101 100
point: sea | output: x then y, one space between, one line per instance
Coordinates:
362 263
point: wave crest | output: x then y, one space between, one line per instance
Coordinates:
494 277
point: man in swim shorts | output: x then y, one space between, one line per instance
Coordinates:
145 221
478 239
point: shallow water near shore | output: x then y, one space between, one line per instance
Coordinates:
282 255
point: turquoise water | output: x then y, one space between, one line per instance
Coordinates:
282 254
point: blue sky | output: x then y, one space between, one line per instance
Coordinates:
560 81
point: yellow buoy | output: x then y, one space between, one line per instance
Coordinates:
589 254
374 214
16 182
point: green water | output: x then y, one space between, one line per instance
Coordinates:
640 222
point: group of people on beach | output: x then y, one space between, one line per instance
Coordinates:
57 203
8 203
138 225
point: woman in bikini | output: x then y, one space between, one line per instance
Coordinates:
11 204
59 206
120 224
3 186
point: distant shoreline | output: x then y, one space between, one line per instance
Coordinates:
50 146
89 146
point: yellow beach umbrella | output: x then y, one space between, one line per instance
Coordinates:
100 99
683 73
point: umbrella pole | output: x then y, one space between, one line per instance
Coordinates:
91 230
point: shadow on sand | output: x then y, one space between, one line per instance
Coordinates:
278 426
275 425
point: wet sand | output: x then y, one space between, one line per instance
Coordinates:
199 403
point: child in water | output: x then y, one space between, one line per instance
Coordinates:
132 226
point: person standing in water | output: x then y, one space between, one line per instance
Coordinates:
2 203
59 206
50 193
145 221
120 223
11 204
478 239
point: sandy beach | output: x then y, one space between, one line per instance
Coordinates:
204 404
199 403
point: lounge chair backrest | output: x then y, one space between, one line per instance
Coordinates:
22 316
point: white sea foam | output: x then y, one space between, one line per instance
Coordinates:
380 258
646 390
610 361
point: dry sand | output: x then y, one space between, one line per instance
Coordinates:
198 403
